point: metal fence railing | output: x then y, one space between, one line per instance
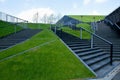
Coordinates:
14 20
93 37
102 41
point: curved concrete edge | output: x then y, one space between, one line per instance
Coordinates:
79 58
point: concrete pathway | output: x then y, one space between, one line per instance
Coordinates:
117 76
113 75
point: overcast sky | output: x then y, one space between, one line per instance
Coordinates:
26 8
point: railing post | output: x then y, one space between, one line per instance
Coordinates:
50 27
92 44
80 33
15 29
61 33
16 20
6 17
26 24
0 16
111 54
55 29
96 27
91 41
93 29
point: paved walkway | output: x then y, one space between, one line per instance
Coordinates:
117 76
16 38
113 75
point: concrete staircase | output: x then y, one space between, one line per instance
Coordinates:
17 38
96 59
108 33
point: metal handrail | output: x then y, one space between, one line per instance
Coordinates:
110 43
117 26
109 21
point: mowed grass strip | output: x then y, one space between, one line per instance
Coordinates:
38 26
7 28
85 35
36 40
50 62
88 18
70 31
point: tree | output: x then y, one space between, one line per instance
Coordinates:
44 18
58 17
51 19
36 17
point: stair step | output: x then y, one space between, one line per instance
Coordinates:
89 52
3 47
16 38
80 47
68 40
89 57
116 59
7 44
85 50
71 43
100 65
96 60
117 56
80 42
116 50
76 45
98 57
105 70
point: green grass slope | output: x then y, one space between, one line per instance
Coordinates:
84 19
52 61
85 35
7 28
38 26
88 18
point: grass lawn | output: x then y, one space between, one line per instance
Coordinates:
49 62
70 31
88 18
84 25
38 26
7 28
85 35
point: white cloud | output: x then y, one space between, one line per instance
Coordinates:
101 1
28 14
95 13
86 2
